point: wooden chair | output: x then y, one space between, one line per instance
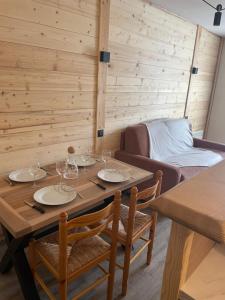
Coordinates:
134 223
76 249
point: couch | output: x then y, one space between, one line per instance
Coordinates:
134 149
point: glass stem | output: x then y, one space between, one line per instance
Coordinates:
60 184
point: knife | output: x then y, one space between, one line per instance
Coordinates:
34 206
98 184
48 172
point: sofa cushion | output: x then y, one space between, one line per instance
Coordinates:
172 142
188 172
136 140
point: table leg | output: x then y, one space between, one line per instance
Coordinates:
177 259
16 257
6 262
25 276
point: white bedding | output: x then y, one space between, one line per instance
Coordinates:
171 141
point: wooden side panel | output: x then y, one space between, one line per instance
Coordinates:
201 84
102 71
151 56
199 250
177 260
48 78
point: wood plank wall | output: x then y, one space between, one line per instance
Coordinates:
201 85
152 54
48 74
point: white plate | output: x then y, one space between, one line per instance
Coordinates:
53 195
113 175
84 160
24 175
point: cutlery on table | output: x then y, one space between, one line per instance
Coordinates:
48 172
9 181
34 206
98 184
80 195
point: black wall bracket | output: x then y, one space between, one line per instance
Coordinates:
104 56
100 133
194 70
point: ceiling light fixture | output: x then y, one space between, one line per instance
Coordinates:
218 14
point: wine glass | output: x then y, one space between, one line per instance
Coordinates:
106 155
34 170
61 169
71 171
85 158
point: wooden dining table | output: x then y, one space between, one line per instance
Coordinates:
21 222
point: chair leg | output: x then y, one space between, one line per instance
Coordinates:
126 268
63 290
151 237
111 284
112 268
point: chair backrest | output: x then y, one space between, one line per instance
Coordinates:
98 221
146 196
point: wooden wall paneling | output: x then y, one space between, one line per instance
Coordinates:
151 57
145 13
14 55
47 154
32 80
48 79
158 33
45 36
89 8
45 13
45 136
50 76
142 56
102 71
201 85
20 120
39 101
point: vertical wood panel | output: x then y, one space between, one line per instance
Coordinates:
201 85
194 61
102 70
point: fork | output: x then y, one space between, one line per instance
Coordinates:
9 181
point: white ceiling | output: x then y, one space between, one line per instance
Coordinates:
195 11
